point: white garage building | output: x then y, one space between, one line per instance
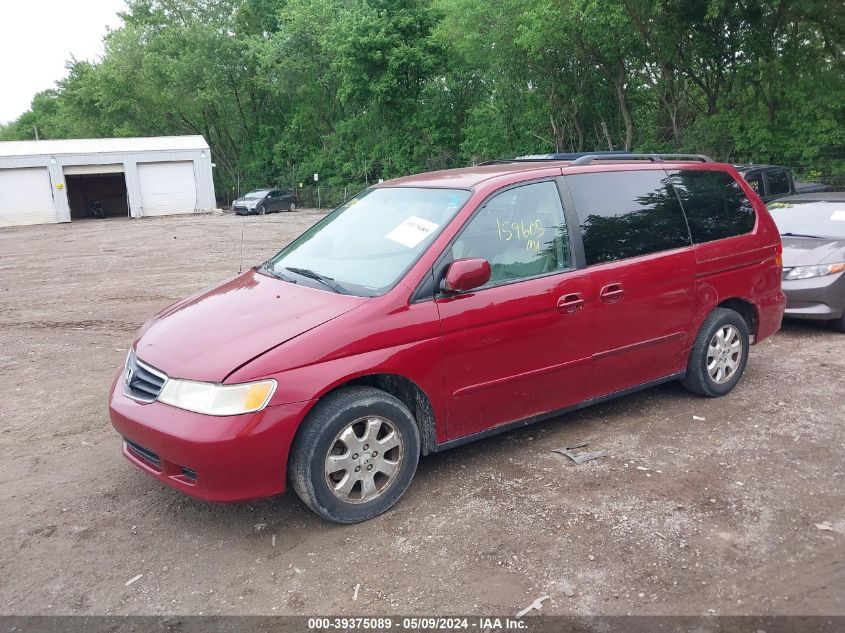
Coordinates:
55 180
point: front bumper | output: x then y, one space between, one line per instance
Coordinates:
232 458
815 298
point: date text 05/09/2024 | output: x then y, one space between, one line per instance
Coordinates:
482 624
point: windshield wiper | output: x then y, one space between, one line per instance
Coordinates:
265 267
815 237
326 281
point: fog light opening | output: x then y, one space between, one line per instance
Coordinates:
187 473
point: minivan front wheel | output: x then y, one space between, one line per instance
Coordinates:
355 454
719 354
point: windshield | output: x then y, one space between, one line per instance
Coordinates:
252 195
818 219
367 244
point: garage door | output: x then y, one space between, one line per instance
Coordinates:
26 197
167 188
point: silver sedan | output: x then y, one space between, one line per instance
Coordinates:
812 228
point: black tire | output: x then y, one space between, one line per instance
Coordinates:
698 379
261 209
316 438
838 325
292 207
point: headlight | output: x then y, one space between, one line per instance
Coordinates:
806 272
214 399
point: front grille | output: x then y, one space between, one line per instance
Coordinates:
144 453
140 381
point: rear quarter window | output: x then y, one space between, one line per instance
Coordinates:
715 205
626 214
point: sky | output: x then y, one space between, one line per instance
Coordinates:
37 37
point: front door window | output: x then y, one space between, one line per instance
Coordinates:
521 232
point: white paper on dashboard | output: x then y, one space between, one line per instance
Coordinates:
412 231
838 215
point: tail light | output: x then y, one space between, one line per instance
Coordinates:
779 255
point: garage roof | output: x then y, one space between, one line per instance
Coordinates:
102 145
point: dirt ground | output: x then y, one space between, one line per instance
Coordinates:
703 506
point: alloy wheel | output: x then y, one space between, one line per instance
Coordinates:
724 354
364 459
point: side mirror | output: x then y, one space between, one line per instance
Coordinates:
466 274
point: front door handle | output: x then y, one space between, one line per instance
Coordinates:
612 293
570 303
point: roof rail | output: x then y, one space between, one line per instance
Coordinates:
557 156
587 158
654 158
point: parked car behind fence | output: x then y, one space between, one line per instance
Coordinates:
266 200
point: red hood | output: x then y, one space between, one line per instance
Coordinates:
208 336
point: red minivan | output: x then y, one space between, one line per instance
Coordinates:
435 309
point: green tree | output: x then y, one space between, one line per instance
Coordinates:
364 89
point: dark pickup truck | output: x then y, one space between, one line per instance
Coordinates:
773 181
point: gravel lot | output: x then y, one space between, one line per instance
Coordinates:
702 505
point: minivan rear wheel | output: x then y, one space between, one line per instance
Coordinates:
719 354
355 454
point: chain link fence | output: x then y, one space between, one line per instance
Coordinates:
319 197
309 196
